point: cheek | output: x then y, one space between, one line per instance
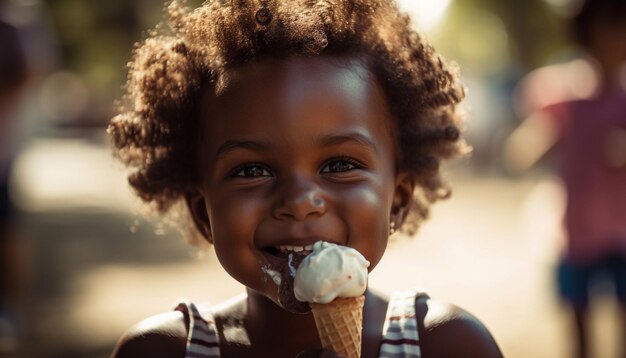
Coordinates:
368 211
234 216
233 225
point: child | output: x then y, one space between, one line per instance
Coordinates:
283 123
589 134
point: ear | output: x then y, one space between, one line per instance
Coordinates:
196 204
402 198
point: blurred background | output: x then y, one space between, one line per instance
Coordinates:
86 264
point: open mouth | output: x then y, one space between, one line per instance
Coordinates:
286 258
283 261
285 250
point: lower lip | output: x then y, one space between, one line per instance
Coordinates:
279 270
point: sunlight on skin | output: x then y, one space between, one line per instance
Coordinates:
427 13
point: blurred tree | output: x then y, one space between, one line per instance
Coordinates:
495 35
535 30
496 42
96 39
489 37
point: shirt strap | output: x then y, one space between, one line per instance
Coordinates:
400 337
202 337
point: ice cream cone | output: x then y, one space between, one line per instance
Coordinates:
339 324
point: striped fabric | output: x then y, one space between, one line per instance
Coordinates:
202 337
399 331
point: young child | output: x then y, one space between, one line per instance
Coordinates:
589 135
280 124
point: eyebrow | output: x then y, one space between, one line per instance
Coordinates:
233 144
337 139
326 141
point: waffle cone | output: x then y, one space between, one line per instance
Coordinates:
339 325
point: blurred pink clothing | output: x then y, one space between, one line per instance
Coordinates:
595 217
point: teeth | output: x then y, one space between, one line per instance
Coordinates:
295 248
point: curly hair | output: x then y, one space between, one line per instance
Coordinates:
169 71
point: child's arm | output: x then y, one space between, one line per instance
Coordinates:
163 335
529 142
449 331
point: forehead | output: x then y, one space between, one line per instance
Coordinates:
288 95
349 74
293 78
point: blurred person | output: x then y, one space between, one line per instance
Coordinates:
13 76
583 116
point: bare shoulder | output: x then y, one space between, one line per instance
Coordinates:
449 331
163 335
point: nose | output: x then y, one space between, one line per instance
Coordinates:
298 199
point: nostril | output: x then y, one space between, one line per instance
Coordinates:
298 199
301 209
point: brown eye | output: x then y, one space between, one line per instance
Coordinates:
340 165
251 171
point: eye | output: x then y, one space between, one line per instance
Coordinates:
251 171
340 165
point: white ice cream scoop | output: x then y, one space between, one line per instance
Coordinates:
331 271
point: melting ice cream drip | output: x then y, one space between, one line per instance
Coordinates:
274 275
292 269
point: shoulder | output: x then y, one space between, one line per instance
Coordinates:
449 331
163 335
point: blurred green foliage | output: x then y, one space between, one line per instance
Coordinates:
95 39
485 36
495 36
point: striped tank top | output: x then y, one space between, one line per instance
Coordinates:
400 337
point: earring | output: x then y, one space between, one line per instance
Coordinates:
392 227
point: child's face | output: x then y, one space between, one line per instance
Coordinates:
295 151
